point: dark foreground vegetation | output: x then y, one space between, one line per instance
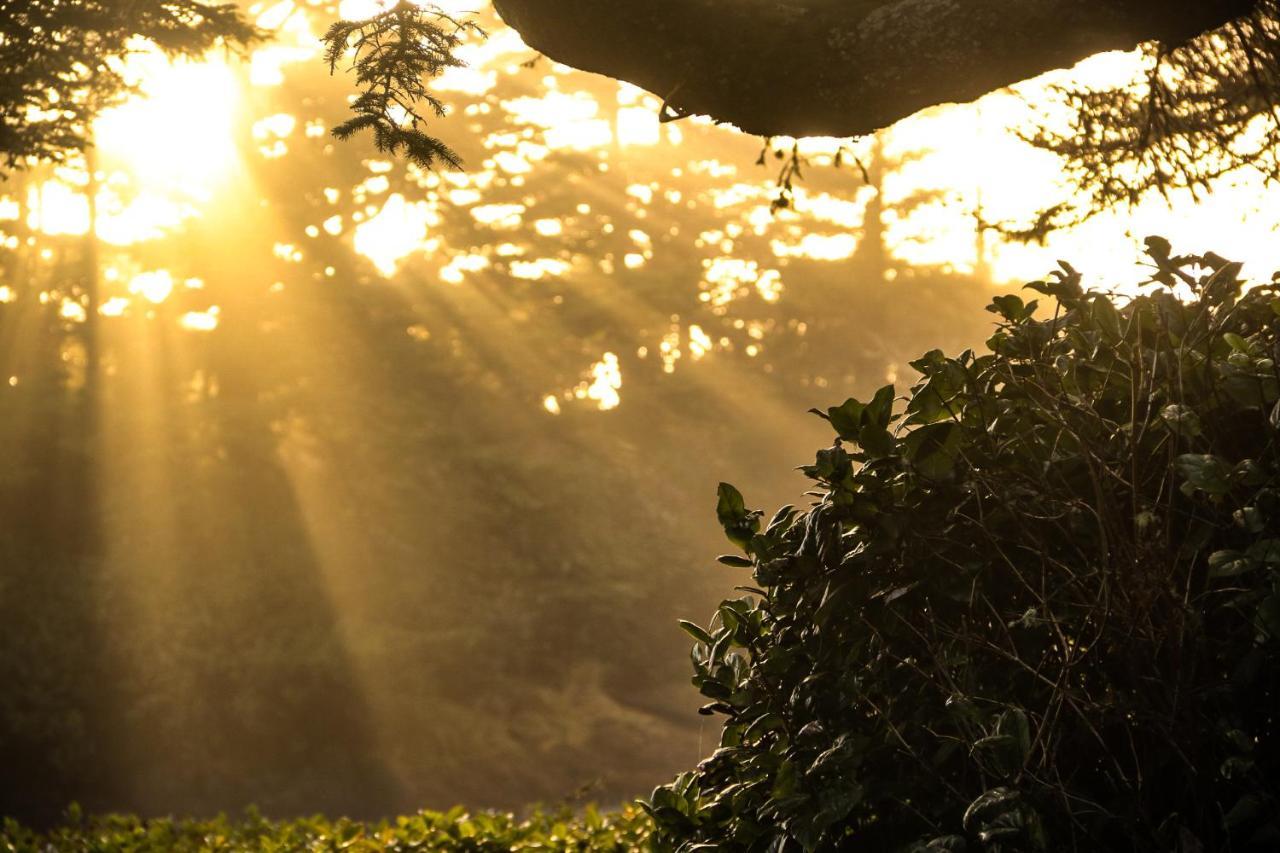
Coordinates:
1035 608
1038 608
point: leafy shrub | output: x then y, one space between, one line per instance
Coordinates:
1035 608
455 830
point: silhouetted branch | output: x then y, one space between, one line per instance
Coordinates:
395 54
1200 111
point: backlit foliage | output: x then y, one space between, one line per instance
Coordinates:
396 53
1037 607
63 62
1200 111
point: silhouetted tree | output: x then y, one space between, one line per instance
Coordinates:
63 62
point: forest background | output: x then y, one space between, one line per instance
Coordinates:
375 487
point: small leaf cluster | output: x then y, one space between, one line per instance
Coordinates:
395 55
454 830
1033 605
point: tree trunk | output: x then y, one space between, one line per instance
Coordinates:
92 279
841 67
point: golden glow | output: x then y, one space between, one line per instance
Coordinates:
200 321
818 247
699 342
177 137
499 216
114 307
287 252
638 126
271 132
173 155
539 269
154 286
568 122
396 232
293 41
161 155
454 271
725 279
465 81
602 384
549 227
72 311
57 208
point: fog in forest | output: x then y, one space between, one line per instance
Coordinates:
367 488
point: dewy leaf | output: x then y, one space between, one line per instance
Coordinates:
1014 727
1247 809
1228 564
730 506
1266 551
1237 343
1181 419
780 518
880 410
932 448
988 805
1206 472
786 782
696 632
830 464
1065 288
739 524
847 419
1010 306
876 440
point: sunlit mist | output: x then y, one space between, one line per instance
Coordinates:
388 483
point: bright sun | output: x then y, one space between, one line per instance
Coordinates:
179 135
162 155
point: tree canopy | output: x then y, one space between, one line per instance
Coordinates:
63 62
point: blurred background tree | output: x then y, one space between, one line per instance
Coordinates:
64 62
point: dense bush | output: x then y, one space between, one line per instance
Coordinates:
1037 607
456 830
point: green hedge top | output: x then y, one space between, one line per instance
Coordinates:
1034 604
455 830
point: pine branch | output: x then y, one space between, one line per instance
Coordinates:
394 54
